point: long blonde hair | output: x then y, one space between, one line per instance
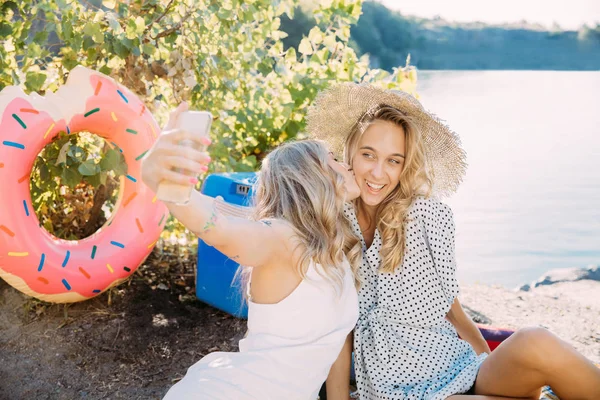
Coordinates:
296 184
414 180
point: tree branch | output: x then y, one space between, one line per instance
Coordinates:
157 20
174 28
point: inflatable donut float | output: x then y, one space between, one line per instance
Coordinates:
32 260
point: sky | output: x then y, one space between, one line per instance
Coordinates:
570 14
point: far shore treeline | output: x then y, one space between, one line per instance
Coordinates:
389 37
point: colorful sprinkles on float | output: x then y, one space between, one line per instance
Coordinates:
32 260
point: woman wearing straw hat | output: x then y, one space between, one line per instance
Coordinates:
406 342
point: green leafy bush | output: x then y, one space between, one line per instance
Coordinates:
224 56
74 184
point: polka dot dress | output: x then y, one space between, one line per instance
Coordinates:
404 347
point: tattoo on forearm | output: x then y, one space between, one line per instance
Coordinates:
212 220
210 223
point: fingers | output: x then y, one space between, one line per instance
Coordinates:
201 157
172 123
178 178
192 166
175 136
175 169
206 141
183 152
166 149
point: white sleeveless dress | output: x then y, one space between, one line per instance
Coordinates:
289 348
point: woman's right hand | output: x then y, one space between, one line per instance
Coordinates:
167 154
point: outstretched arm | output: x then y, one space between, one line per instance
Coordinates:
248 242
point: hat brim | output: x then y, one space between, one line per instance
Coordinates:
337 110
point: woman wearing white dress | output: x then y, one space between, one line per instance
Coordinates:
303 300
413 339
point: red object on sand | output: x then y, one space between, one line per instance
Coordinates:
493 335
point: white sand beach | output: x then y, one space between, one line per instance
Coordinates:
569 309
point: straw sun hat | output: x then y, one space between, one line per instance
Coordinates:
337 110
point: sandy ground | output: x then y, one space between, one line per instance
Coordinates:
571 310
139 344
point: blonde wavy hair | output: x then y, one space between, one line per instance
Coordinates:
297 185
414 181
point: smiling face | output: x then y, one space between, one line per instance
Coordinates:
378 161
352 189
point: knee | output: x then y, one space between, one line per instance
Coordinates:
535 344
535 338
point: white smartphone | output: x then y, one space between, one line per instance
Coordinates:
197 123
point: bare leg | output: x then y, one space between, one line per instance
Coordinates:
532 358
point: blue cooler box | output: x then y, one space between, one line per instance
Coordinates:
215 272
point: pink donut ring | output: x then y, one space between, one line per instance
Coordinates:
32 260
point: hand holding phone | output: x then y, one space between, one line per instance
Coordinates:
198 124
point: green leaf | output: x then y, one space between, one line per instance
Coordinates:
34 81
265 66
76 42
120 168
148 49
71 177
135 28
113 160
330 42
9 5
113 23
121 49
305 47
93 180
55 170
224 14
110 160
123 8
44 173
67 30
92 53
51 27
140 25
69 62
105 70
62 155
76 153
48 226
99 37
5 29
315 35
41 37
94 31
88 168
34 50
171 38
88 42
130 30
